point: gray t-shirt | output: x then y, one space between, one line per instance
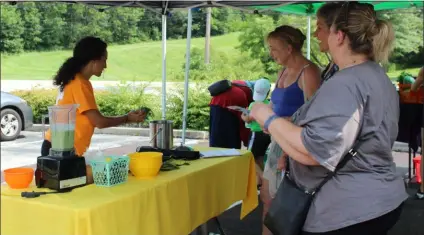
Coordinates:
368 186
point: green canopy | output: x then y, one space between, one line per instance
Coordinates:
311 8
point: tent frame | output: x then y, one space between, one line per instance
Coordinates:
245 6
254 7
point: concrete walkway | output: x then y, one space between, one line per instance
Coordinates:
12 85
133 131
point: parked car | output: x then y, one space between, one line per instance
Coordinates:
16 116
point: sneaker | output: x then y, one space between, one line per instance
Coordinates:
419 195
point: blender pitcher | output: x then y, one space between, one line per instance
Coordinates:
62 127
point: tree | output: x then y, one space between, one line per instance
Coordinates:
11 29
32 27
53 24
408 27
252 40
123 23
150 25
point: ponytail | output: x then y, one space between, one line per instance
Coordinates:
67 72
382 41
86 50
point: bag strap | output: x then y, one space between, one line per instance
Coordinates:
350 154
279 77
347 157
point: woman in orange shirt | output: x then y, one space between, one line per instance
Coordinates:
73 78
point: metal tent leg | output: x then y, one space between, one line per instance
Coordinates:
221 231
186 77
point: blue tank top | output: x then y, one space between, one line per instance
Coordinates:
286 101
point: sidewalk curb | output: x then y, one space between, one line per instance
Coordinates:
190 134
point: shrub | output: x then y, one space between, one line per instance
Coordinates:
198 107
114 101
121 99
39 99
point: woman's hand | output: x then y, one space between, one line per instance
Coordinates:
261 112
136 116
246 118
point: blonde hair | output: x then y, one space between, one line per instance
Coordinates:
367 34
292 36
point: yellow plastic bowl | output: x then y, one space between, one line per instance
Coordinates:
145 165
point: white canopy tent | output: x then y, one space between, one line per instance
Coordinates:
255 7
163 8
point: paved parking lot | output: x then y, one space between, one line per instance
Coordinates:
26 149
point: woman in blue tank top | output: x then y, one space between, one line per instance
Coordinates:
296 83
299 79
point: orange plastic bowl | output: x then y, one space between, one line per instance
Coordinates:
145 165
18 178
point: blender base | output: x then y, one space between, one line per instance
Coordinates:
59 173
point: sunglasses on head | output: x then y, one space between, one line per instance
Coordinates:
347 6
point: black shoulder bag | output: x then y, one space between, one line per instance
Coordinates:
288 210
222 86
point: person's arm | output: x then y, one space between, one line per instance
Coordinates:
287 135
419 81
100 121
311 79
325 134
84 96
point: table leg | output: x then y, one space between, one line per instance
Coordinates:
204 229
221 230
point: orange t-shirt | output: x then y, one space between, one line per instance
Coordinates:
79 91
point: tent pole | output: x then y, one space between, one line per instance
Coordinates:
308 38
163 66
187 70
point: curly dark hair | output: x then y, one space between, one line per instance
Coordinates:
86 50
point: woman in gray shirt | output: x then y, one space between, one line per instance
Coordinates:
359 102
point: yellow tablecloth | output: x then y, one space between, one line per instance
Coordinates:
175 202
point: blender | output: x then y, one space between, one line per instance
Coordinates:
62 169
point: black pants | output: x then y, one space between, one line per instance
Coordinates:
260 144
45 148
378 226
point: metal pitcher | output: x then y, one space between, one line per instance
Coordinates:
161 134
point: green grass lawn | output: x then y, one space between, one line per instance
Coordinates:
141 61
394 75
